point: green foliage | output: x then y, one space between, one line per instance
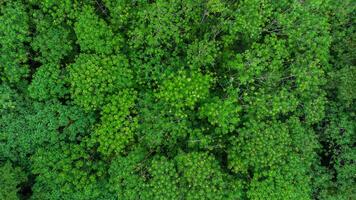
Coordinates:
338 131
139 176
120 11
52 42
196 183
47 83
159 124
345 82
224 114
117 125
94 78
125 179
184 90
164 181
201 54
94 35
259 145
158 35
14 32
171 99
288 182
59 11
7 98
339 154
10 180
68 171
38 125
259 60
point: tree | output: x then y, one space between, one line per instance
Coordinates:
171 99
10 180
14 32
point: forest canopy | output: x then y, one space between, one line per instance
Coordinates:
177 100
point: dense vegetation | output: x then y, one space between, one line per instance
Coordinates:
172 99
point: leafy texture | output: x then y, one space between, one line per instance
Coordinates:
177 100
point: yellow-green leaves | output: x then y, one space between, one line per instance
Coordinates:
201 177
259 145
117 126
119 12
68 171
184 89
165 180
222 113
94 78
289 181
94 35
201 54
